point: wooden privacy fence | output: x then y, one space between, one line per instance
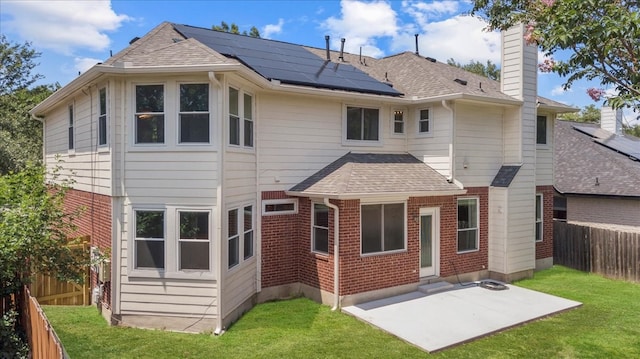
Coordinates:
51 291
610 252
43 341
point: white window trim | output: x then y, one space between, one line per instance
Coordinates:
135 239
134 124
477 228
547 145
71 111
252 230
180 240
392 121
539 195
268 202
241 119
106 115
178 112
240 234
404 249
431 122
314 226
361 143
171 243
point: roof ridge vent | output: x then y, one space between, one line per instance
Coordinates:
430 59
461 82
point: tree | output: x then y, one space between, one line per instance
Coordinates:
602 38
234 29
489 70
20 135
589 114
33 239
631 130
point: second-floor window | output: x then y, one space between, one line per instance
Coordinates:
363 124
71 134
240 118
149 126
102 117
424 121
194 113
398 122
541 130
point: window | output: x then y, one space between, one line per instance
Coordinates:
194 113
467 224
149 239
102 117
424 122
237 130
149 124
248 232
71 135
240 235
541 130
398 121
539 217
320 235
382 227
193 241
362 124
279 206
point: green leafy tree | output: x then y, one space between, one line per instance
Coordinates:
631 130
234 29
20 135
602 38
489 69
589 113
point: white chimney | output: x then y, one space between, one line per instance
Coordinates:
611 120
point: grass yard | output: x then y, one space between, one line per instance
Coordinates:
606 326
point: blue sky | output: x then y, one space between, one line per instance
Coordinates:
74 35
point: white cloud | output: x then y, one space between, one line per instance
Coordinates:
63 26
360 24
559 90
272 29
422 11
460 37
82 64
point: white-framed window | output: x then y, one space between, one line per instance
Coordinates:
424 121
539 217
398 121
274 207
149 116
240 118
240 235
320 228
362 124
102 117
149 229
468 227
541 130
382 227
193 116
194 240
71 128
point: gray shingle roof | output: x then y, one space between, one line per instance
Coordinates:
360 174
584 166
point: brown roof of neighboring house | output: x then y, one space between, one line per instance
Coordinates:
356 175
584 165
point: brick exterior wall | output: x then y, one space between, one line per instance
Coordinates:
544 249
95 222
287 256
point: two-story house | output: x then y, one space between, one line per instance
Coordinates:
221 170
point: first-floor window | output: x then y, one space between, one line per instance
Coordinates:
382 227
194 242
149 239
240 235
539 216
467 224
320 235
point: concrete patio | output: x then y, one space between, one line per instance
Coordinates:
457 315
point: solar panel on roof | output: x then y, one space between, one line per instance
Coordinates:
288 63
619 144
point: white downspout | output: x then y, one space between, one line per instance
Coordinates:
336 253
452 163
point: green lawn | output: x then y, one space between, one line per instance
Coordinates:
606 326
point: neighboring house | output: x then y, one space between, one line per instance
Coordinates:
221 170
597 172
